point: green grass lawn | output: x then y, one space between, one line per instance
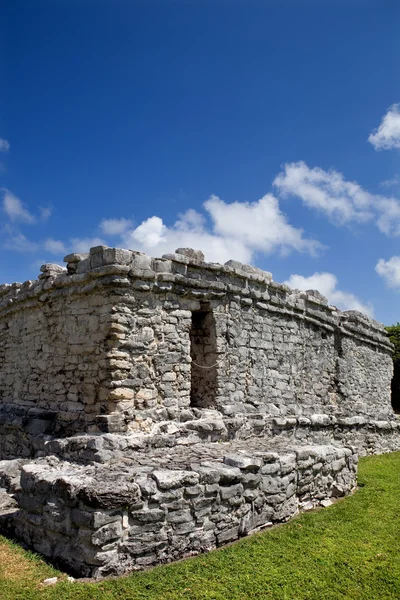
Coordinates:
349 550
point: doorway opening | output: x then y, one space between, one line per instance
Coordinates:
396 389
203 352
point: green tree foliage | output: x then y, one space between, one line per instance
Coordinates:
394 336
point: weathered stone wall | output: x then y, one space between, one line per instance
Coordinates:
120 373
115 343
107 520
53 361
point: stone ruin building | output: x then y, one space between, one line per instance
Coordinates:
155 408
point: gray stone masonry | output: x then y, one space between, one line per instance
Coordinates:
155 408
102 520
121 342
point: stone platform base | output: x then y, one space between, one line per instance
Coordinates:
144 510
32 433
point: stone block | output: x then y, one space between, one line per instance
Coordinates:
173 479
231 491
228 535
117 255
243 462
226 474
192 255
75 257
107 533
150 516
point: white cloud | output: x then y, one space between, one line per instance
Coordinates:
260 225
237 230
4 145
84 244
155 238
15 210
388 216
115 226
387 135
45 213
55 246
392 182
325 191
20 243
389 270
342 201
326 284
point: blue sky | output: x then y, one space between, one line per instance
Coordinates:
265 131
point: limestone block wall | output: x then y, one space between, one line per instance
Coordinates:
108 520
120 372
276 364
53 361
259 354
362 375
150 360
285 363
120 341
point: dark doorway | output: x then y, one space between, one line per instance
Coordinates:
396 388
203 352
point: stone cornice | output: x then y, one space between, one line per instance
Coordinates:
187 276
